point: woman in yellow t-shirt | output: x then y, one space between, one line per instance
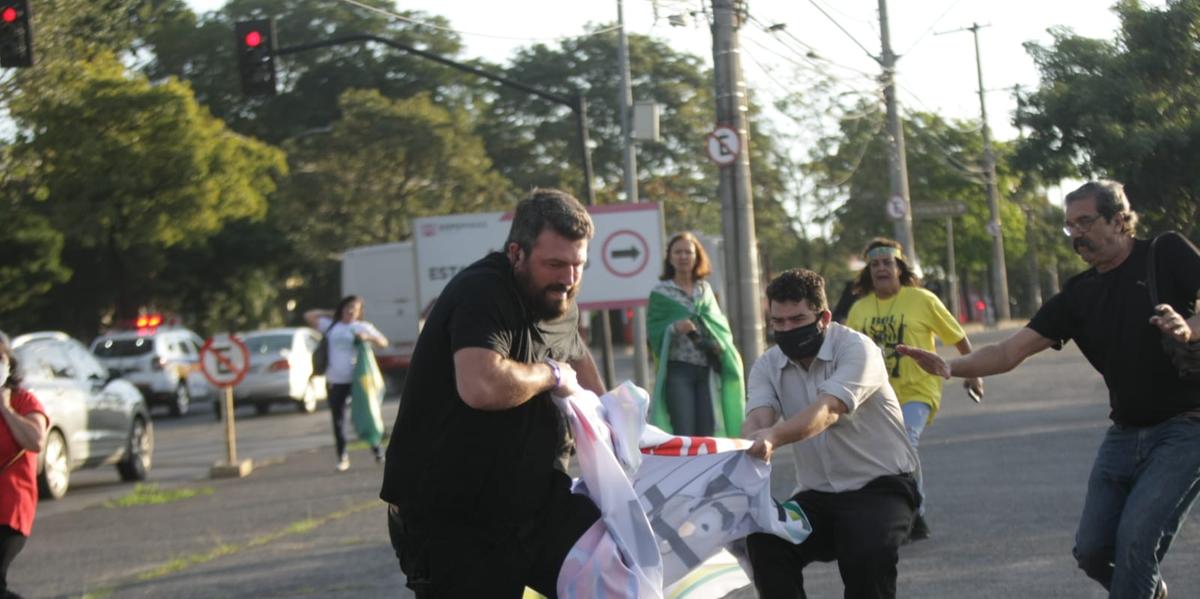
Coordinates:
894 309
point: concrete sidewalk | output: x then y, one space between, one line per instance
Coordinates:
293 528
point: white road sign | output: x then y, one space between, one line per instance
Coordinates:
896 207
623 258
224 360
723 145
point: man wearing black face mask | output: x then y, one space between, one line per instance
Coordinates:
854 464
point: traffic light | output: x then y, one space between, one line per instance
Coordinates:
16 34
256 56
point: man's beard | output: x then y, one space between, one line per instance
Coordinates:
540 305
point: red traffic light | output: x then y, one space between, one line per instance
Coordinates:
253 39
8 15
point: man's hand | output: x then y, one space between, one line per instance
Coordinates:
1171 323
568 383
684 326
974 384
928 361
764 444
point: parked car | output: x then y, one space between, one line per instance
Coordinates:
280 370
96 419
163 362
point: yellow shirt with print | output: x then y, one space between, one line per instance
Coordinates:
911 317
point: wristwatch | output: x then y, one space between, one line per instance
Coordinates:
555 370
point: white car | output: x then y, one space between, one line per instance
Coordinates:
162 362
280 370
95 418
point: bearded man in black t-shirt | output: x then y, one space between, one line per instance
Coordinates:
1147 472
480 502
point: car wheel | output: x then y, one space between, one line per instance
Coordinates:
56 468
139 452
182 401
308 403
262 407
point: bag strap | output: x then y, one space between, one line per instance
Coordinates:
13 460
1151 274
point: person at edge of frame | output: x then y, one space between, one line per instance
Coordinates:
1146 474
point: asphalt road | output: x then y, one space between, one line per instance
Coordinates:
1005 482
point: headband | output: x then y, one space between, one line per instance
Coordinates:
883 251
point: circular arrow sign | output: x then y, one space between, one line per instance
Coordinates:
224 360
625 253
896 208
723 145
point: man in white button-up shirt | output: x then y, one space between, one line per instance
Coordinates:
854 464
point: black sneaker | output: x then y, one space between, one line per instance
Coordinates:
920 529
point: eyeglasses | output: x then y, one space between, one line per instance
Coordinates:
1081 226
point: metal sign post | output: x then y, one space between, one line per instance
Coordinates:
224 360
949 211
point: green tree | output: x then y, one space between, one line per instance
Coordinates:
127 169
201 50
1126 109
533 142
850 170
382 164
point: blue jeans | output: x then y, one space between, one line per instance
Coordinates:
916 416
1144 481
689 401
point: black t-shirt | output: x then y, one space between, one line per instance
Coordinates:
1108 315
448 459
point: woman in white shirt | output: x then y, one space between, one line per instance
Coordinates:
343 327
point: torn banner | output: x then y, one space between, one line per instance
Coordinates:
667 503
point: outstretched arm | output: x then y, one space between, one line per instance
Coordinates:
992 359
806 424
973 383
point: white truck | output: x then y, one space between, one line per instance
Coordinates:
385 277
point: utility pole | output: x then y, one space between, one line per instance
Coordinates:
999 271
737 205
631 188
899 205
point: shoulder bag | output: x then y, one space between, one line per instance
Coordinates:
1184 356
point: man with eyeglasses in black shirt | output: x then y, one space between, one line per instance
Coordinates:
1147 472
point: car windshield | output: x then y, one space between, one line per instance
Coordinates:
120 348
267 344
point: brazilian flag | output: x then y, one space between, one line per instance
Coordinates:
367 396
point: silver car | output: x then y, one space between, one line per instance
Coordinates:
281 370
96 419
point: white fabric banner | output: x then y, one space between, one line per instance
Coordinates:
668 503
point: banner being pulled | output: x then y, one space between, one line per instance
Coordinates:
667 503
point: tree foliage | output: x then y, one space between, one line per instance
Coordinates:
126 169
1126 109
382 164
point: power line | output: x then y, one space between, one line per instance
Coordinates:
400 17
843 29
932 25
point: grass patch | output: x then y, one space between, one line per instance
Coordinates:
151 494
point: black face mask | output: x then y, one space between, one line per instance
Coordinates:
801 342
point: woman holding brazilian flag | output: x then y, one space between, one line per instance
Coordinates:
699 386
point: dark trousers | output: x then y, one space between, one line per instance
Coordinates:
459 557
862 530
338 396
11 543
689 400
